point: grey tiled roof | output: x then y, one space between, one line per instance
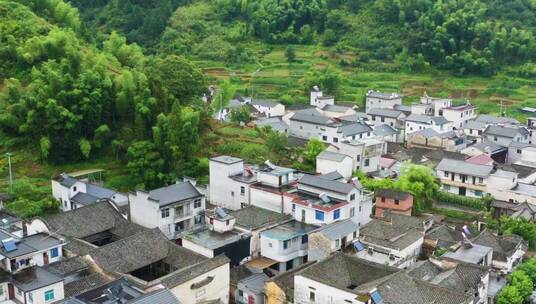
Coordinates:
489 147
311 116
253 217
196 268
385 112
162 296
475 125
255 282
338 229
264 103
95 218
336 108
388 193
439 120
354 117
462 167
401 288
326 184
84 198
378 94
509 132
456 276
174 193
389 235
34 278
333 156
65 180
276 123
285 280
354 128
403 108
445 236
384 130
489 119
420 118
142 249
346 272
503 246
334 175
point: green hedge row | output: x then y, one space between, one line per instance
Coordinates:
462 201
464 216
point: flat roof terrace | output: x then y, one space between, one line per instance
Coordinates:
212 240
305 198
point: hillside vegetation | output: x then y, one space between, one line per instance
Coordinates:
115 84
478 50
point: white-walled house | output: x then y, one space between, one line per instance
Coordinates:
319 200
340 279
395 240
36 286
365 153
330 238
308 123
459 115
391 117
463 178
74 193
376 99
340 132
504 135
173 209
287 244
230 182
254 220
20 253
268 108
522 153
327 162
338 110
508 250
418 122
430 105
318 100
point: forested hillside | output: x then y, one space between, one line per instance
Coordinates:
77 100
480 50
464 36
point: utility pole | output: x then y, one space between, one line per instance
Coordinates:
9 154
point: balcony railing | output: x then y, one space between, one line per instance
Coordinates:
183 214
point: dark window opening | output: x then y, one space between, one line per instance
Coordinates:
153 271
102 238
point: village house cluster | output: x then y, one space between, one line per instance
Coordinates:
264 233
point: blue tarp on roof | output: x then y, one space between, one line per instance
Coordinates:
358 246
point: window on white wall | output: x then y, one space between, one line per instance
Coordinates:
165 212
312 296
49 295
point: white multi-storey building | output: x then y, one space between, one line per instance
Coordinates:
379 100
173 209
287 244
419 122
74 193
